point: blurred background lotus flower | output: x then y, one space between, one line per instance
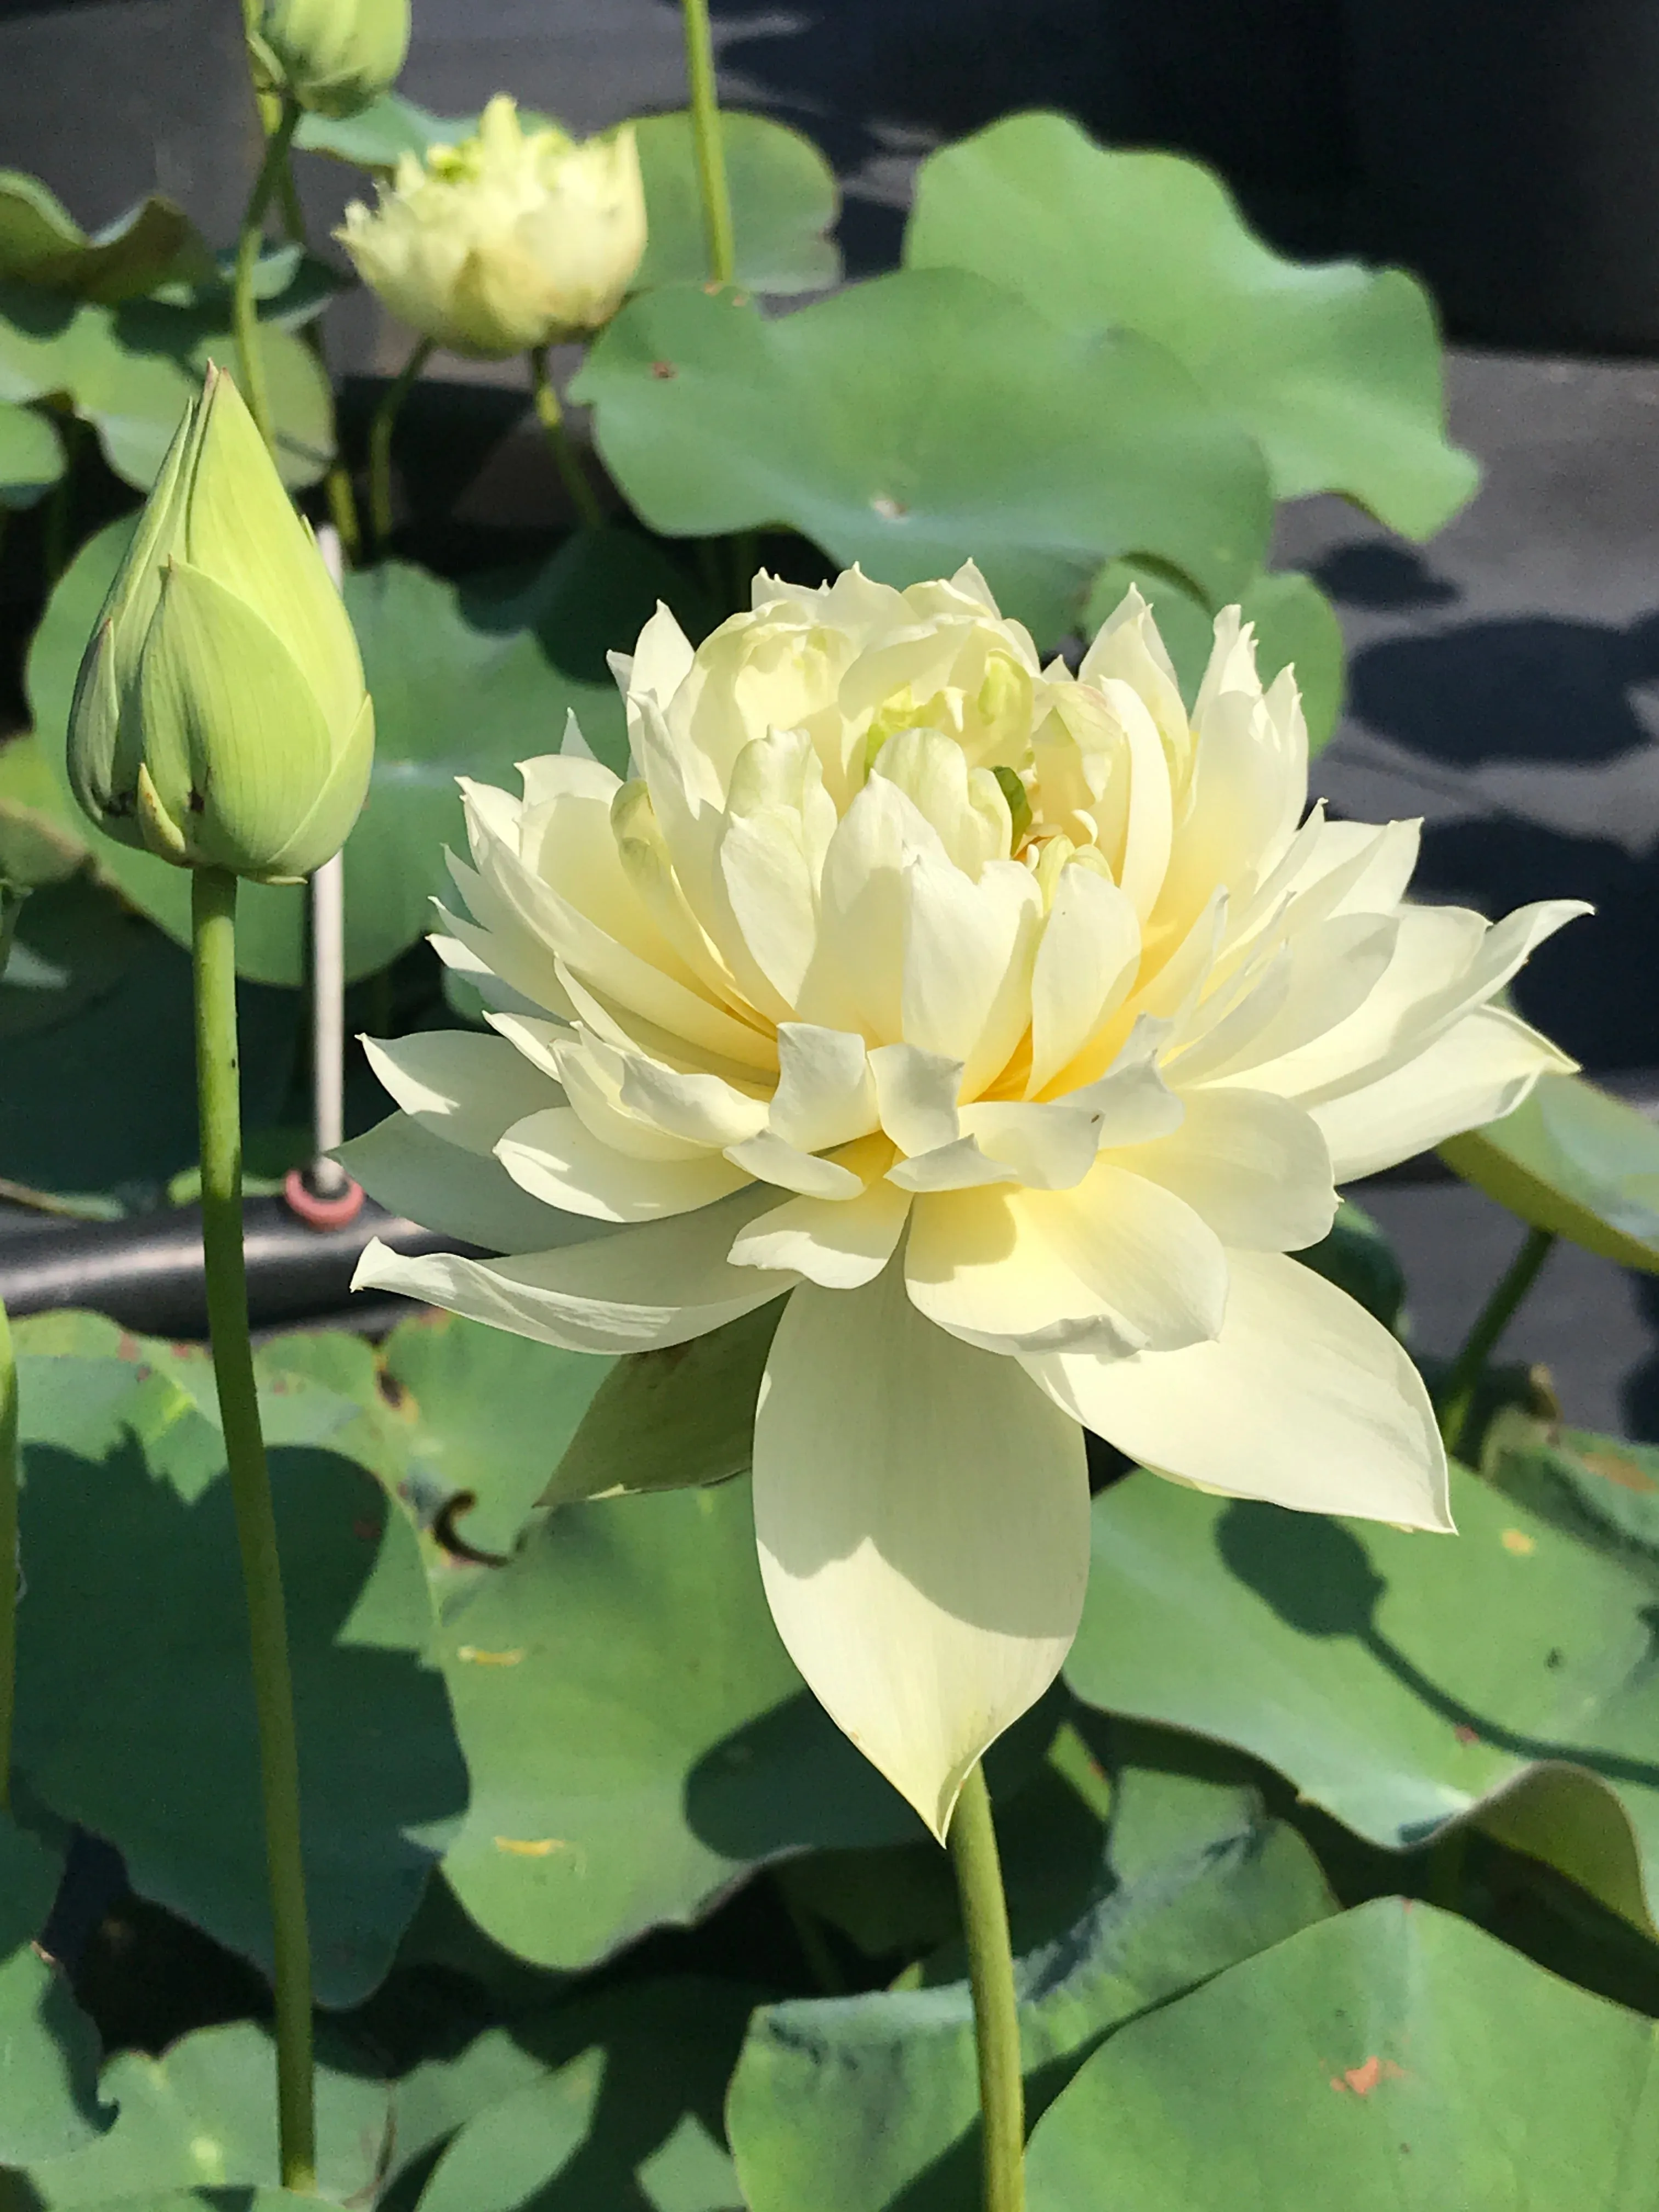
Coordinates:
220 718
333 56
512 239
1017 1028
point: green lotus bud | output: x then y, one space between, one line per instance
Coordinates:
334 56
219 717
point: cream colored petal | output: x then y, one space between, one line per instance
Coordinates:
1048 1147
464 1194
768 1157
1481 1068
922 1519
556 1158
1147 1256
837 1242
1305 1401
463 959
633 1291
975 1265
1255 1167
1084 971
462 1087
703 1109
660 661
960 1165
1147 841
826 1092
592 1074
916 1096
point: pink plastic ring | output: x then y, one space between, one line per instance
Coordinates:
317 1212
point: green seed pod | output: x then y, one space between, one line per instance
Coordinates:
334 56
219 717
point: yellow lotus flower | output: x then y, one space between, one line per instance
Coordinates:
1016 1028
509 240
220 718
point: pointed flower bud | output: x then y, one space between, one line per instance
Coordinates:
511 240
334 56
220 718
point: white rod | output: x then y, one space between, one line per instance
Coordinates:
328 1177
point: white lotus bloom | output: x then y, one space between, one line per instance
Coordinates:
511 240
1017 1028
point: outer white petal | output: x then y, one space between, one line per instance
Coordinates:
1257 1169
629 1292
1481 1068
462 958
922 1516
1304 1400
462 1087
838 1243
464 1195
767 1156
556 1158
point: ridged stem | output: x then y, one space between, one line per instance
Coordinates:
710 147
550 416
973 1846
213 935
379 445
1456 1395
245 316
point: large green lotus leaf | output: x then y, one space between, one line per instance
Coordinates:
671 1419
1395 2059
135 1712
131 371
488 1416
203 2116
783 201
921 420
467 679
1402 1681
31 455
42 244
863 2103
637 1737
49 2103
1334 367
628 2113
1296 626
1574 1160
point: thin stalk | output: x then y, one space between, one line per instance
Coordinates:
379 444
245 316
343 512
1464 1378
550 415
973 1845
213 935
706 136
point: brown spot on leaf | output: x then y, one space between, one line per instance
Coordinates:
1361 2080
1465 1733
662 370
1612 1466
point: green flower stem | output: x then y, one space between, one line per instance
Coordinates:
973 1845
245 316
550 415
213 935
706 135
1457 1391
380 446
